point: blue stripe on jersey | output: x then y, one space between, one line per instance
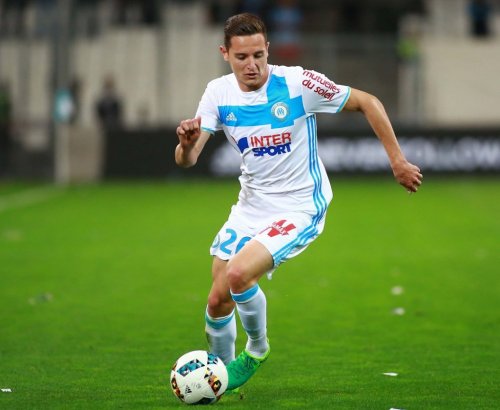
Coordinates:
320 202
209 130
345 99
262 114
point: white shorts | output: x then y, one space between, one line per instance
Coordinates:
285 235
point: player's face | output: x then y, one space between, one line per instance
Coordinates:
247 57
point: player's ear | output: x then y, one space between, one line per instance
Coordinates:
225 52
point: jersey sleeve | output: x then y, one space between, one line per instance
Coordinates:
208 111
322 95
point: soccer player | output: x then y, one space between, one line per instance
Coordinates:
267 115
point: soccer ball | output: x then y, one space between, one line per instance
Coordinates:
199 377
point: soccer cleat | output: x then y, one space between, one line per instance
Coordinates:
243 367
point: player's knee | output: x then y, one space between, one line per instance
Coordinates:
216 301
236 277
219 305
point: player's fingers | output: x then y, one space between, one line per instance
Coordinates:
409 185
196 123
414 185
191 126
415 170
180 131
186 126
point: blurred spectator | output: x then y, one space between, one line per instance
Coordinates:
285 20
5 127
480 14
64 106
108 107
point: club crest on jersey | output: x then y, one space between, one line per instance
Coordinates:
280 111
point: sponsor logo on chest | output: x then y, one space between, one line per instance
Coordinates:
267 145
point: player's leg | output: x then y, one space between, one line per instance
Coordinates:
243 273
220 314
220 327
278 239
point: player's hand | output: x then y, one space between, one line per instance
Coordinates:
188 132
408 175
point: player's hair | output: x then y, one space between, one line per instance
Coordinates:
244 24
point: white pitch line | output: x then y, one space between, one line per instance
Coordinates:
28 197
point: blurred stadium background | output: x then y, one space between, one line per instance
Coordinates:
435 70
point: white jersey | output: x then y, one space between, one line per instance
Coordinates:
274 131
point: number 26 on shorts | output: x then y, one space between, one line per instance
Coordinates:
229 243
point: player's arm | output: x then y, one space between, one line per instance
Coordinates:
407 174
192 139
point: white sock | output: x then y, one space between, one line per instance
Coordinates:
251 306
221 336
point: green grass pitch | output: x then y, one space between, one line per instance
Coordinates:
103 287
